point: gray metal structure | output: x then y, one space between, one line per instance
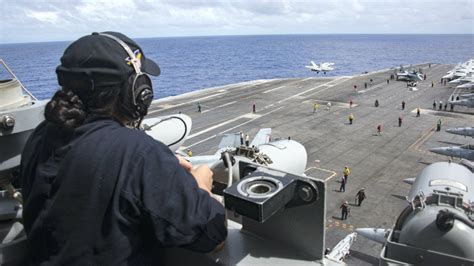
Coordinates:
20 113
437 228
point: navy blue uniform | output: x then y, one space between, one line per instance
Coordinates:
108 195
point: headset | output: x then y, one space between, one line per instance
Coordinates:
136 106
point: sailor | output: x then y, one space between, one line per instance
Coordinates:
434 104
376 103
445 106
344 210
346 173
315 107
189 153
241 138
254 110
328 106
432 84
365 85
438 125
379 129
418 112
403 105
351 118
350 103
98 192
199 107
388 81
440 104
247 140
360 196
342 188
451 107
400 119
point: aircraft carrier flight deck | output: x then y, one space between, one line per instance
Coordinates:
378 162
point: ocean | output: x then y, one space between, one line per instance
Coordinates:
193 63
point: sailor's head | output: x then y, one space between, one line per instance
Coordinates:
107 67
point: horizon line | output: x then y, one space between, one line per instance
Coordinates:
250 35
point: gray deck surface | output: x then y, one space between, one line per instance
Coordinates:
378 163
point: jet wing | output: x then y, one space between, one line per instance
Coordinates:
262 137
230 140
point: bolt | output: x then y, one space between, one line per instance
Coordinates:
7 122
306 193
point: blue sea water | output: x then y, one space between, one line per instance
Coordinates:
193 63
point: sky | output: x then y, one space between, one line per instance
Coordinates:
64 20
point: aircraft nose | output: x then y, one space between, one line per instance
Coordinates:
439 150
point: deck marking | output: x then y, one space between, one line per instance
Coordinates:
274 89
248 115
169 106
333 173
217 107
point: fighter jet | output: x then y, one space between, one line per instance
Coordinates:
469 102
465 151
461 70
464 131
462 80
409 76
466 95
469 86
323 67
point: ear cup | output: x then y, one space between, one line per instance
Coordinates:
136 96
143 92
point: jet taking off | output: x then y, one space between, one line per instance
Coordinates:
464 131
465 151
323 67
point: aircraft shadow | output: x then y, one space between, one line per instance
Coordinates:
451 143
398 196
364 257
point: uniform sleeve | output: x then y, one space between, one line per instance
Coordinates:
178 211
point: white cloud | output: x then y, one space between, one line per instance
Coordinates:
67 20
43 16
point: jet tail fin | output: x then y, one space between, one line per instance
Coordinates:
314 64
262 137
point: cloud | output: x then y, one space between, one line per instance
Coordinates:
67 20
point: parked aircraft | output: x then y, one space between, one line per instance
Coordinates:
464 131
469 102
465 151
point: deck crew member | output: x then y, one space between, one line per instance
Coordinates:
418 112
189 153
360 196
346 172
400 119
241 138
344 210
351 119
247 140
403 105
376 103
98 192
342 188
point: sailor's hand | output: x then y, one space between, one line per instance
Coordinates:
184 163
203 176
